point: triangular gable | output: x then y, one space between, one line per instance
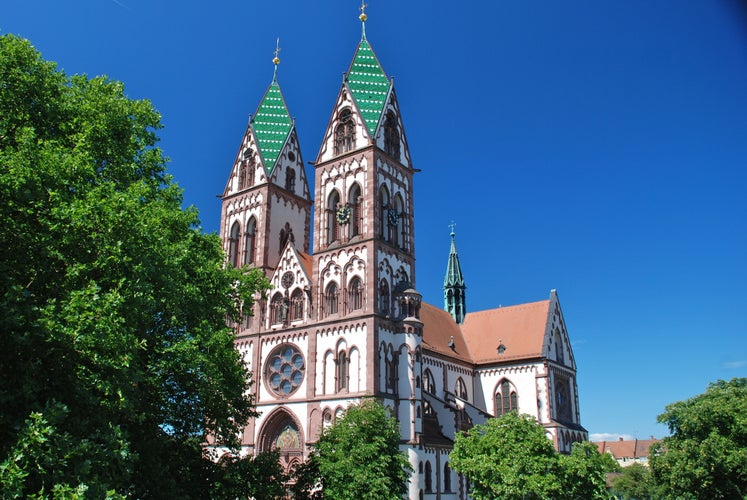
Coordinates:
344 100
295 262
391 105
556 328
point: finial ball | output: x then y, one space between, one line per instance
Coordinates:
276 60
363 17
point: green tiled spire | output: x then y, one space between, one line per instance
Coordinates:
454 287
272 123
368 84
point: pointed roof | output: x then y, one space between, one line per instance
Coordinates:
368 84
454 275
272 124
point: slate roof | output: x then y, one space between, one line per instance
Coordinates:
368 84
272 123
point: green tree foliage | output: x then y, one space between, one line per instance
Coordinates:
634 482
357 457
511 458
706 454
115 359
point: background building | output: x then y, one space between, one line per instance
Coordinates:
346 322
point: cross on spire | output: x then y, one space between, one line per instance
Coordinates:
452 226
276 59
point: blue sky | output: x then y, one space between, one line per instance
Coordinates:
596 147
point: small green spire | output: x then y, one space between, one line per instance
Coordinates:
454 287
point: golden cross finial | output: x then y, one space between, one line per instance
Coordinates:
363 15
276 59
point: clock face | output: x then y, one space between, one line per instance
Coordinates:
393 217
343 214
288 279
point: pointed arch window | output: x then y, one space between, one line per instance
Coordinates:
354 200
355 294
278 309
344 132
383 212
330 299
342 370
384 297
250 241
233 244
398 229
391 135
297 305
290 179
560 353
333 228
447 478
460 389
428 477
429 384
246 170
505 398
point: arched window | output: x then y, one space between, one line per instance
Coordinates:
332 226
286 234
560 353
355 294
354 201
460 389
391 136
278 309
398 228
297 305
505 398
342 371
250 241
384 211
246 170
233 245
428 383
384 298
428 477
330 299
447 478
290 179
344 132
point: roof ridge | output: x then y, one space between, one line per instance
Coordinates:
368 85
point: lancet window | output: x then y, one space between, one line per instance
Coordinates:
344 132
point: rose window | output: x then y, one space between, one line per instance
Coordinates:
285 370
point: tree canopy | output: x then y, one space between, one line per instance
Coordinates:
706 454
115 359
357 457
510 457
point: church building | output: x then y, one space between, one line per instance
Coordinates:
346 321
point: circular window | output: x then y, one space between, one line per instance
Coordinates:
284 370
291 156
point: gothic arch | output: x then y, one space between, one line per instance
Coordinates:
383 208
250 241
505 397
273 433
344 132
333 228
233 244
354 202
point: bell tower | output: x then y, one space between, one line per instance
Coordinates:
266 201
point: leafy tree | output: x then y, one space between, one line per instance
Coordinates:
584 472
115 359
510 457
357 457
706 454
634 483
507 457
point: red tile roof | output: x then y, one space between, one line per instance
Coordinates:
628 448
521 329
307 262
